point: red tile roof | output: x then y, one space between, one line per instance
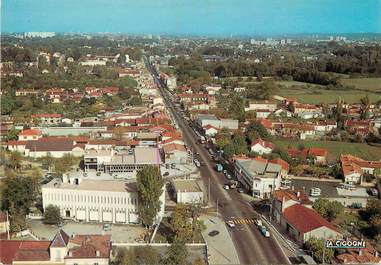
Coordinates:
305 219
30 132
36 116
292 195
263 143
88 245
18 250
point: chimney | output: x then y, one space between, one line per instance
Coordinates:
360 252
292 187
73 235
98 253
70 253
376 253
298 194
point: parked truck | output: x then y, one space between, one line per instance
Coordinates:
219 168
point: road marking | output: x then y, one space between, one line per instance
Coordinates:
243 221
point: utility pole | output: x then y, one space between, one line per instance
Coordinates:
217 207
7 226
209 190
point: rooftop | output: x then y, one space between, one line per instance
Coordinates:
186 185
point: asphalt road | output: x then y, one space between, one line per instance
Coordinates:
251 246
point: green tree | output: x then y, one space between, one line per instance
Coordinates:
19 192
327 209
12 134
64 164
177 254
317 247
180 223
52 215
150 187
147 255
228 151
125 257
258 129
15 160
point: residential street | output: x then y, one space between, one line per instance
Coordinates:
251 246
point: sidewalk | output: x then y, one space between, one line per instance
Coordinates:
221 249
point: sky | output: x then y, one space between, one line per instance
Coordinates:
192 17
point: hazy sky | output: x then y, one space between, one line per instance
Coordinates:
199 17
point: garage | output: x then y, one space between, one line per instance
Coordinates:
81 214
120 217
94 216
134 218
107 217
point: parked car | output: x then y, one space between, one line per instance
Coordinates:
213 233
373 191
226 187
315 192
230 223
106 227
197 163
240 190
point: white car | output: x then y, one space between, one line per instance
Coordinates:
197 163
226 187
230 223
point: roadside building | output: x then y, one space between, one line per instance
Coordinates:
175 154
128 160
94 200
187 191
354 168
259 175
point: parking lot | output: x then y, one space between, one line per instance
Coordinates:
119 233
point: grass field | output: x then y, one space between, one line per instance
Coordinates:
366 84
313 94
362 150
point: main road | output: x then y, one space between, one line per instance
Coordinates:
251 246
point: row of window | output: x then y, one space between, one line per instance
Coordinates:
90 198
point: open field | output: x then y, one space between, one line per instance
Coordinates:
366 84
362 150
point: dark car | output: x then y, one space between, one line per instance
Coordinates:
213 233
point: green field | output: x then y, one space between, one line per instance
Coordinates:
366 84
335 148
315 94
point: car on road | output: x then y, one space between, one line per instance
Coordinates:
240 190
230 223
225 172
264 231
226 186
197 163
315 192
213 233
258 222
228 176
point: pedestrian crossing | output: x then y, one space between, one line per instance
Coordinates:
243 221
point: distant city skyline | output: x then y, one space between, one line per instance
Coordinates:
193 17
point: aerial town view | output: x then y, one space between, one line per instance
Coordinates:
188 132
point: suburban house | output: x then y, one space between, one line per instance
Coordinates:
354 168
29 135
262 105
319 155
262 147
292 210
47 119
187 191
259 175
62 250
210 130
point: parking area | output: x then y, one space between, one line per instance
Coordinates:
119 233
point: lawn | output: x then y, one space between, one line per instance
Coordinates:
335 148
366 84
